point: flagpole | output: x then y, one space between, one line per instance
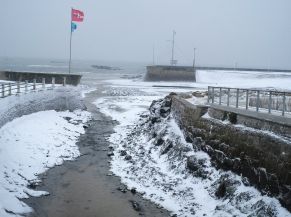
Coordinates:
70 43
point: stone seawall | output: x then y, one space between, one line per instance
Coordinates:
72 79
261 156
170 73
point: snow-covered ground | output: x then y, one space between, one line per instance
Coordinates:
30 145
163 178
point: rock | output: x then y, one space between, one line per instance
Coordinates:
245 181
232 117
154 120
192 163
227 163
110 154
133 190
262 176
219 156
188 139
67 118
286 200
32 185
236 165
164 111
214 143
221 191
274 184
159 142
167 148
196 166
128 157
135 205
122 189
123 153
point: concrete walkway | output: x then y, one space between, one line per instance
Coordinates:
84 187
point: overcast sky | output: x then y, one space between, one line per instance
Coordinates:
249 32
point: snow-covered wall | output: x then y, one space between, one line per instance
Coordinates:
60 99
260 155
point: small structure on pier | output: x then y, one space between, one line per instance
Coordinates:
170 73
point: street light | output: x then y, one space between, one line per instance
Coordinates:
194 58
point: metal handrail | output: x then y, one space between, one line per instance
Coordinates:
245 98
15 88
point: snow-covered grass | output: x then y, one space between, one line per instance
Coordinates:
31 144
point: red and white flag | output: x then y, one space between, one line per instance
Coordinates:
77 15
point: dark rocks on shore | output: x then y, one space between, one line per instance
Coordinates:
225 153
110 154
128 157
123 153
135 205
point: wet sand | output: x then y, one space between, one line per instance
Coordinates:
84 187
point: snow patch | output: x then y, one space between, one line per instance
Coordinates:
31 144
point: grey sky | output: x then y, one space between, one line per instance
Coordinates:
249 32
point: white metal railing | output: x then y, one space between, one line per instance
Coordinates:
15 88
250 99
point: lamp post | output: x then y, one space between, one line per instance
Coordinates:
194 58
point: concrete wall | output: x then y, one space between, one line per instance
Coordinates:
170 73
72 79
261 157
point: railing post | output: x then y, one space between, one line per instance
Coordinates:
3 90
34 84
65 81
237 96
212 95
258 100
18 87
228 95
10 89
270 102
43 83
26 86
208 97
284 103
220 95
247 100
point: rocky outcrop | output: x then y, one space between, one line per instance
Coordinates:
262 158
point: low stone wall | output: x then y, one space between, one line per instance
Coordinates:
170 73
264 159
72 79
59 99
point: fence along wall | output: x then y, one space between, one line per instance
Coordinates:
275 102
8 89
